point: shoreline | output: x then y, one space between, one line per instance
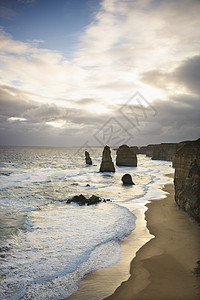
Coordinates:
164 267
103 282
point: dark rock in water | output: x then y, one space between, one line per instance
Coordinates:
87 184
5 173
87 158
93 200
82 200
127 179
187 178
126 156
106 163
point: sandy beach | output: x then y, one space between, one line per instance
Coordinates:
164 267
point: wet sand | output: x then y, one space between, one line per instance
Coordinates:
103 282
164 267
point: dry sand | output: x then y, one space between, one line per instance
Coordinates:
164 267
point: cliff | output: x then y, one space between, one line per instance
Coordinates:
187 178
148 150
126 156
164 151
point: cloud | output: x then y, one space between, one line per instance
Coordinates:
186 76
149 46
14 102
44 72
6 11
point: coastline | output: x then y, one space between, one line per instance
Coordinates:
164 267
103 282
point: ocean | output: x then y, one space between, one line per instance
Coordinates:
48 246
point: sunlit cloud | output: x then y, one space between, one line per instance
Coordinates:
16 119
148 46
56 124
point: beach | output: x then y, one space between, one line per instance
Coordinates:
93 246
164 267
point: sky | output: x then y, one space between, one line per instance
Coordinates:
91 72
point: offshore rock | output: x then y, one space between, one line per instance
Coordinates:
187 178
126 156
87 158
82 200
127 179
106 163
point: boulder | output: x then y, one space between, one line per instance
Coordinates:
127 179
187 178
126 156
82 200
87 158
106 163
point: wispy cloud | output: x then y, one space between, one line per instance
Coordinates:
146 45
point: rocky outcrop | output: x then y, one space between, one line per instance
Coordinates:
127 179
187 178
148 150
87 158
135 149
126 156
163 151
82 200
106 163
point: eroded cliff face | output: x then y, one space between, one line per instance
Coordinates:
187 178
164 151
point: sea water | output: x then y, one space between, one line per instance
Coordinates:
46 245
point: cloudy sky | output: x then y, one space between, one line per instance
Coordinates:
99 72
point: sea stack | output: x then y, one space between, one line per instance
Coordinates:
106 163
127 179
187 178
126 157
87 158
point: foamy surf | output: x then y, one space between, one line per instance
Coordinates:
48 246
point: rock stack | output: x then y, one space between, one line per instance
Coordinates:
126 156
127 179
187 178
106 163
87 158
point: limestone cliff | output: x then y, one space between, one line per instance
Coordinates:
106 163
163 151
126 156
187 178
148 150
